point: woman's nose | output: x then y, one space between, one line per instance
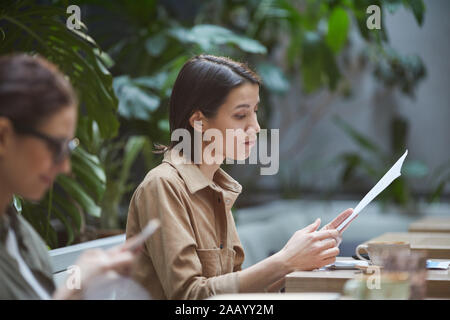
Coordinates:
65 166
255 125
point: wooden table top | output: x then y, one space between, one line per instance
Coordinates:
435 245
431 224
438 281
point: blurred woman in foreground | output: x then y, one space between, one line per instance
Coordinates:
38 113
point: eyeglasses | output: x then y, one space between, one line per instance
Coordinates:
60 148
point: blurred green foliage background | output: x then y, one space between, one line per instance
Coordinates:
123 63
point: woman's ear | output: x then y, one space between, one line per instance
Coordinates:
197 121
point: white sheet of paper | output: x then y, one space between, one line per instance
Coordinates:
441 265
353 264
384 182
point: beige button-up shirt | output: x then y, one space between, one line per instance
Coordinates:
196 252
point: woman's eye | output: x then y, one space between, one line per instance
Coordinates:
54 147
239 116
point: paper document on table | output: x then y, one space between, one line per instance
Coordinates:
384 182
347 265
440 265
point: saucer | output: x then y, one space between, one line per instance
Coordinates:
365 268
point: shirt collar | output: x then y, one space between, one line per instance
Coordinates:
195 179
9 220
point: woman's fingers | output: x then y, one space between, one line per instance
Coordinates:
338 240
120 259
328 244
307 248
339 219
115 259
313 226
346 226
329 253
326 234
328 261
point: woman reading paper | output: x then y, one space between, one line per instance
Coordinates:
196 253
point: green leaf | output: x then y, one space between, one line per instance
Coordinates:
318 64
156 82
399 191
67 225
247 44
69 208
52 237
399 134
85 37
132 149
294 49
311 62
273 77
437 192
164 125
76 56
17 202
338 26
330 68
80 152
359 138
90 175
392 6
156 44
89 163
210 36
89 135
352 161
418 9
134 102
78 194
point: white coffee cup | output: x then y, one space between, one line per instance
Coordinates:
379 250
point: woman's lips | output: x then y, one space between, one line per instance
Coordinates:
250 143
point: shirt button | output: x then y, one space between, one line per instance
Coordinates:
227 201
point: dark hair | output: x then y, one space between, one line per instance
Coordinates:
203 84
32 89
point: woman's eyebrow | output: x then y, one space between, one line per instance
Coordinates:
245 105
242 106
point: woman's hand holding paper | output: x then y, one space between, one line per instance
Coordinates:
337 222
